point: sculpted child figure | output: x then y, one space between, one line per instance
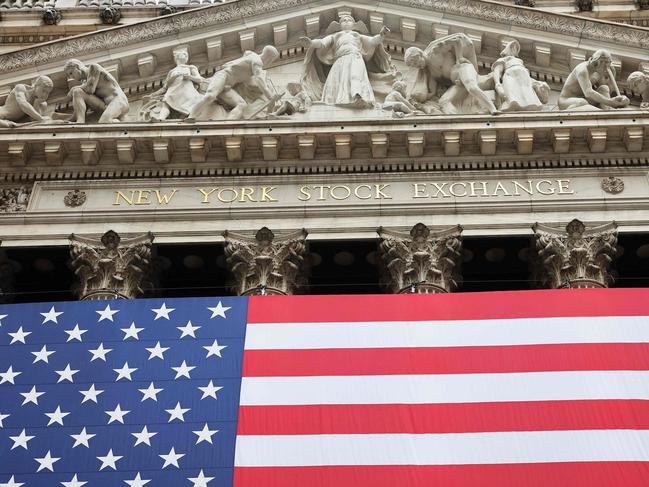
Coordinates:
397 102
26 102
94 87
639 83
590 85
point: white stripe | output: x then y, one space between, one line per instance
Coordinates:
607 329
445 388
444 449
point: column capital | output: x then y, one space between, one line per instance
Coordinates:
267 264
110 267
421 261
575 256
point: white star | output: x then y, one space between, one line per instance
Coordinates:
11 483
42 355
9 375
177 413
162 312
144 436
21 440
109 460
150 393
157 351
56 417
131 331
183 370
137 481
75 482
31 396
66 374
75 333
100 352
201 480
117 414
82 438
188 330
210 390
51 315
218 310
19 336
47 462
2 317
205 434
214 349
171 458
107 313
91 394
125 372
2 418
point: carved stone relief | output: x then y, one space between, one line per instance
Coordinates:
576 257
639 83
14 199
422 261
612 185
110 267
266 265
75 198
26 103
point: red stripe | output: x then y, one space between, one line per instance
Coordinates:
447 360
444 418
583 474
454 306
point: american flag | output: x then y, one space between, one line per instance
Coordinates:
508 389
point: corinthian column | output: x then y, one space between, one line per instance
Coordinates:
421 261
266 264
110 267
575 256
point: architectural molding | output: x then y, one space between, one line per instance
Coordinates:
266 264
110 267
421 261
575 257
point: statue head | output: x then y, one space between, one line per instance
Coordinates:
601 59
347 22
42 87
638 81
268 55
181 56
415 58
400 86
512 48
75 69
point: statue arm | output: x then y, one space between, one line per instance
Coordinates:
90 85
259 81
498 71
377 39
25 106
194 75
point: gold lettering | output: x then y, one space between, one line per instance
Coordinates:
550 189
451 189
500 187
357 191
206 194
119 194
265 193
378 189
247 192
440 189
220 197
418 189
518 186
143 197
564 186
481 183
347 192
304 191
165 199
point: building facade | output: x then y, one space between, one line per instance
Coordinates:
306 147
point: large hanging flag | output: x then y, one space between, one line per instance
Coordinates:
540 388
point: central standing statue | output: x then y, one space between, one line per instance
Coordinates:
337 67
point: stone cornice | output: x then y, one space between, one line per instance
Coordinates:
221 14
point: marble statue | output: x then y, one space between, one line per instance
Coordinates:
94 87
26 102
397 102
590 84
450 62
179 91
516 91
297 102
639 83
237 85
337 68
